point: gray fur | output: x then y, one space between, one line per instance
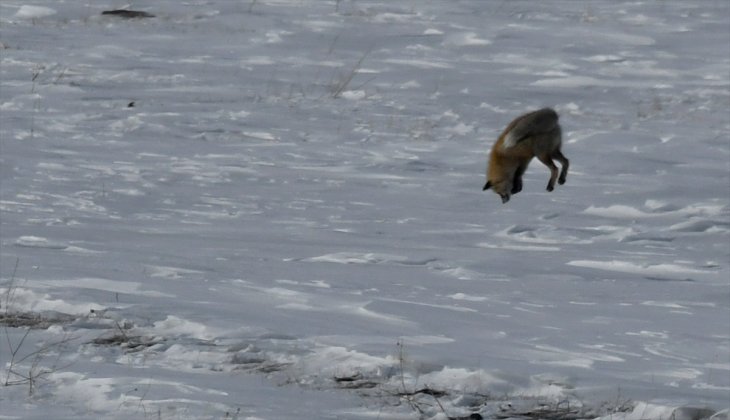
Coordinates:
535 123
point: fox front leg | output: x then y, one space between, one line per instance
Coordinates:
517 180
516 184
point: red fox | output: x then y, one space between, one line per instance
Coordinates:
534 134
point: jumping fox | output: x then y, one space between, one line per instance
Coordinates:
534 134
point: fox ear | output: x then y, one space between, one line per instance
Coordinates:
487 186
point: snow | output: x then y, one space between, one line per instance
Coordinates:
273 210
33 12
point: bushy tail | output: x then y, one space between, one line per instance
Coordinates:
534 123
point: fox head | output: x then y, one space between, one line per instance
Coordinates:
503 187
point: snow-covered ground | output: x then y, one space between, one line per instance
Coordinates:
273 210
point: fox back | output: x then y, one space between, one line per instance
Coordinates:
542 123
533 134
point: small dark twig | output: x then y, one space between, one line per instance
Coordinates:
425 391
128 14
10 293
345 82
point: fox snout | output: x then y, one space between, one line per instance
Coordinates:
504 195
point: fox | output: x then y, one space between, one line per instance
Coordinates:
535 134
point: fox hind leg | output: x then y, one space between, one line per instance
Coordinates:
548 161
564 162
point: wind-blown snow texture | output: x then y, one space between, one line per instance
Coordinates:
241 208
